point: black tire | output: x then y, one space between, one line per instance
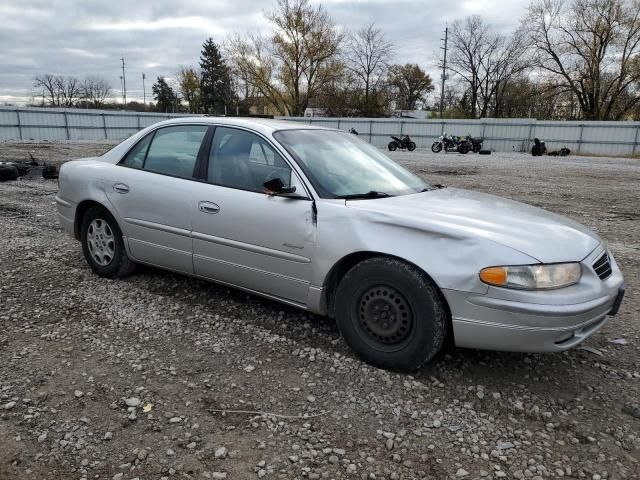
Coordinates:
49 172
8 172
436 147
391 314
120 265
463 148
411 146
393 146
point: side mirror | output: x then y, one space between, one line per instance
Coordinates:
276 187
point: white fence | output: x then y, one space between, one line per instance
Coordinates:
73 124
501 135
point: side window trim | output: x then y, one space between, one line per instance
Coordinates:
202 162
144 161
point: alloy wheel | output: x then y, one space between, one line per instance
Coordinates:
101 242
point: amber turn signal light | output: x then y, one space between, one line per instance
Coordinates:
494 275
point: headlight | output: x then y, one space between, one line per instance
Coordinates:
533 277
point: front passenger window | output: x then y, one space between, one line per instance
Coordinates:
243 160
174 150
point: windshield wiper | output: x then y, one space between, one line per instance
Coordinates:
364 196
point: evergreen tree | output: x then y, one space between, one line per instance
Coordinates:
215 84
166 99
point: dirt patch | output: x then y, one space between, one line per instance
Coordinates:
119 379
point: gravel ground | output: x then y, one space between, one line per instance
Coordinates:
129 379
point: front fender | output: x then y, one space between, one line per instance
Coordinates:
450 257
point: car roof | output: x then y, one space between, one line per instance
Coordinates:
262 125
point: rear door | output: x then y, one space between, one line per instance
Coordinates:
151 191
243 236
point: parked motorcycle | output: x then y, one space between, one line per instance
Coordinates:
539 148
476 143
451 143
563 152
401 143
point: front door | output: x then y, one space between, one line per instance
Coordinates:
151 191
243 236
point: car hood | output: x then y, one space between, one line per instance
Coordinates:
537 233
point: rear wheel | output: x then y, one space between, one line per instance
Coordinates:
102 244
411 146
436 147
393 146
391 314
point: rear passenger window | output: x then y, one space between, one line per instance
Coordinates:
135 157
174 150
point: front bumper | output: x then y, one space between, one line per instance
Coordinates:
550 321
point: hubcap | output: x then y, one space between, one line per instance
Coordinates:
385 317
101 242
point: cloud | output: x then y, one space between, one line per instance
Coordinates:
88 37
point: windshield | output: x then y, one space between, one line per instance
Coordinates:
342 166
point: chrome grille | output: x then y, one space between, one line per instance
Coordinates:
602 267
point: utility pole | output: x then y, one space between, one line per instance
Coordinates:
124 86
144 93
444 68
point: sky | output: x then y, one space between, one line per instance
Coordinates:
89 37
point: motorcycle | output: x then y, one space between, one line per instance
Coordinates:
401 143
451 143
476 143
539 148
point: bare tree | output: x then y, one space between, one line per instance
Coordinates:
589 48
367 58
71 89
49 84
61 91
95 90
296 62
485 61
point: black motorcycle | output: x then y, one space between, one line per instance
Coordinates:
539 148
401 143
476 143
451 143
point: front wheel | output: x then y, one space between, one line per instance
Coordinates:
436 147
393 146
102 244
391 314
411 146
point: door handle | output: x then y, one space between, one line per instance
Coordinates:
121 188
208 207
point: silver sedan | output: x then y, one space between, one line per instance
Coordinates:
320 220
